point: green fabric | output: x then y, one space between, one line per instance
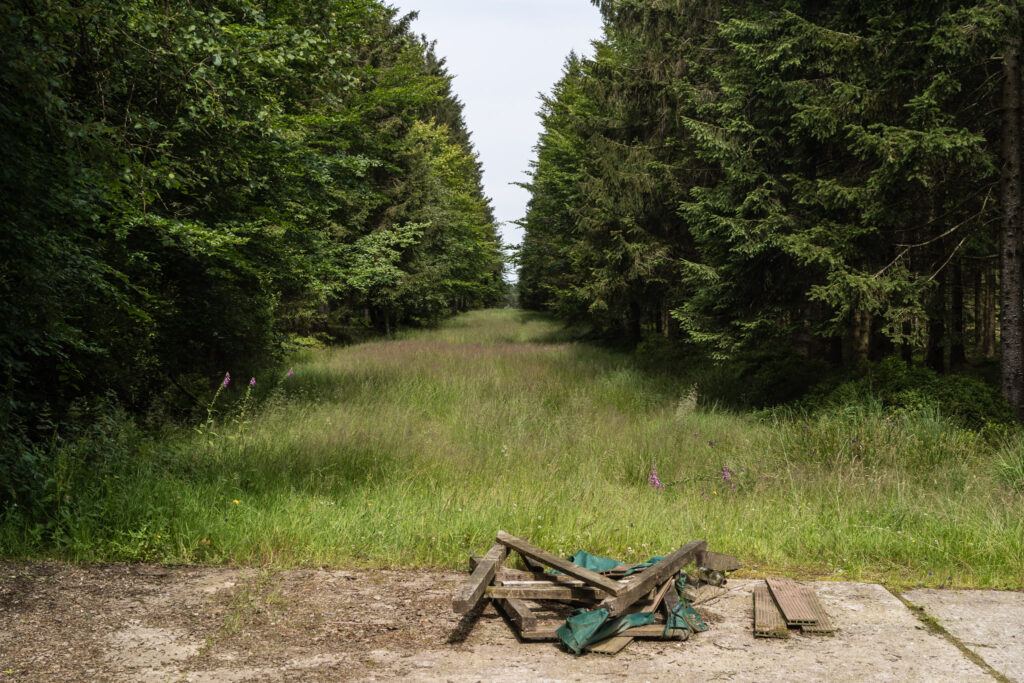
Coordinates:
584 628
602 564
683 619
579 629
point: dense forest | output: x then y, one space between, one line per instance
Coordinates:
805 186
188 186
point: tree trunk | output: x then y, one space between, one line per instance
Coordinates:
906 348
991 287
634 324
668 323
860 338
979 312
935 350
957 349
1011 301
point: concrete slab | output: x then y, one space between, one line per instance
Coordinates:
146 623
879 639
990 623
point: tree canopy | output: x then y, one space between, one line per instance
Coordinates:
823 181
187 184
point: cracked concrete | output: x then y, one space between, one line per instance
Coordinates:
145 623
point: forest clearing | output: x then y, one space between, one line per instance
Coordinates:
279 348
412 452
407 453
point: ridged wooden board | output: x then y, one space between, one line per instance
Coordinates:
824 624
793 601
768 620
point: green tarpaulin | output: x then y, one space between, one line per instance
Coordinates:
585 627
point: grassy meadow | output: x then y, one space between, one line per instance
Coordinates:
414 451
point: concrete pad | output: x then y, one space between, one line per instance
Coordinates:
989 623
879 639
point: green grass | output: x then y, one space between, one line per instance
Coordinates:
415 451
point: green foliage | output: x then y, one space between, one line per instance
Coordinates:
906 388
1009 465
187 186
770 183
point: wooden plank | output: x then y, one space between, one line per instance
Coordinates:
792 602
704 593
616 644
550 592
519 613
472 591
824 624
652 577
531 564
768 620
719 562
572 583
564 566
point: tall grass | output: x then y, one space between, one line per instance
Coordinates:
415 451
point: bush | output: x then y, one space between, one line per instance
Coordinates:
905 388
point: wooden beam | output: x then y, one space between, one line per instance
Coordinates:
546 629
531 564
472 591
549 592
564 566
616 644
519 613
718 562
651 577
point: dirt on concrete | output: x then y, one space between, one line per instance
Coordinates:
155 623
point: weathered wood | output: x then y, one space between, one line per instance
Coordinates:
519 613
824 624
531 564
768 621
704 593
564 566
472 591
792 601
719 562
546 630
653 576
553 592
616 644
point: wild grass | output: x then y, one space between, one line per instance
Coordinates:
415 451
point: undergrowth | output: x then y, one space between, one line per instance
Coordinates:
415 451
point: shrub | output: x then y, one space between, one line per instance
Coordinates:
905 388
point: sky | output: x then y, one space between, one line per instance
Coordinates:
503 54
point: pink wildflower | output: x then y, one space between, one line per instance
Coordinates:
653 479
227 380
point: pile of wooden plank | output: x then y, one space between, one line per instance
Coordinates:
537 601
784 604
